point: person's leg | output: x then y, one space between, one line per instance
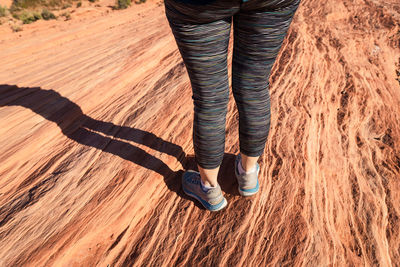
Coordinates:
248 162
203 47
258 36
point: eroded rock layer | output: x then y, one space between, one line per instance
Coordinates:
95 132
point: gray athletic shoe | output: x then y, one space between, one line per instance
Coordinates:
211 199
248 183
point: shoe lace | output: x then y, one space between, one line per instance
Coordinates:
194 181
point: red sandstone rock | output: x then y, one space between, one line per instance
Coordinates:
95 131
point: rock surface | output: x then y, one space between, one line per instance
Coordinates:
95 131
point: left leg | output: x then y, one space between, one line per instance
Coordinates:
204 47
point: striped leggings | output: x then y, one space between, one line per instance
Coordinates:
202 35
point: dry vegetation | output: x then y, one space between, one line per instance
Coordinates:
28 11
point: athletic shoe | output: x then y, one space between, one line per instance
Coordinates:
248 183
212 199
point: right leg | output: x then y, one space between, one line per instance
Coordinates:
258 36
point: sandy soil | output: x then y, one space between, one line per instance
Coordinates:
6 3
95 131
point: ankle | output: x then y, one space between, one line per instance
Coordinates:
209 176
248 163
206 183
248 170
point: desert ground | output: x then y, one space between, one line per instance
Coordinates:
96 130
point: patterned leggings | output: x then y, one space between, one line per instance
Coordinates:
202 35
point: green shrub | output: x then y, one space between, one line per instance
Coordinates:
79 4
67 15
18 5
27 17
67 5
14 9
92 1
140 1
36 15
46 15
3 11
51 3
16 28
122 4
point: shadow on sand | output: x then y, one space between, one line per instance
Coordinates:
85 130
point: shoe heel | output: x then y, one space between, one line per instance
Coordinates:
247 194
